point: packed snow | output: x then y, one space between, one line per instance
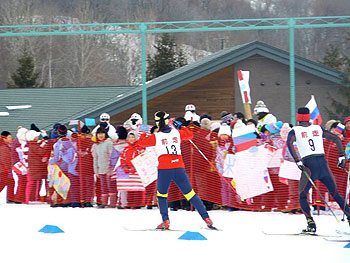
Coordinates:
103 235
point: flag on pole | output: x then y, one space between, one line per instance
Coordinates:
315 116
243 80
340 128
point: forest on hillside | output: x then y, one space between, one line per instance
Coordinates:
103 60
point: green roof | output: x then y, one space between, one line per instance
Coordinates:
52 105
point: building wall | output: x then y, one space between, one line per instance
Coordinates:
211 94
277 97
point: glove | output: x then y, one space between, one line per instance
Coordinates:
341 162
300 165
177 124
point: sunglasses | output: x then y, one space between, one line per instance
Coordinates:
104 119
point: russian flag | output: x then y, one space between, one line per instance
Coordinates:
244 137
315 116
340 128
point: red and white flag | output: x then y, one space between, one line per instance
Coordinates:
133 183
243 80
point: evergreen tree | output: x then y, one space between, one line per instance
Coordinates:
25 75
341 62
333 58
166 59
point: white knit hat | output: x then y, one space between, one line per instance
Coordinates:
224 129
239 124
190 107
31 135
260 107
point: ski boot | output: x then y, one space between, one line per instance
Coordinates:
165 225
209 223
311 227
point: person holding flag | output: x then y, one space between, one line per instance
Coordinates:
312 162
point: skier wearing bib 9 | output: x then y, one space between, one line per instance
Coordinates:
167 142
312 162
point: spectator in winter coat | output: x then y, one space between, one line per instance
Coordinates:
37 165
101 152
5 165
134 198
263 114
65 155
19 155
105 123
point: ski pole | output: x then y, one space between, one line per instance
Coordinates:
314 185
212 165
346 194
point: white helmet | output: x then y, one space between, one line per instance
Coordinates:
105 117
190 107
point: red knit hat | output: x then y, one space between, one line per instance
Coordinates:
347 119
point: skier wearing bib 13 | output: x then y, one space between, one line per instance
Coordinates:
167 142
309 140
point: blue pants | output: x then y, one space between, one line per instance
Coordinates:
178 175
318 169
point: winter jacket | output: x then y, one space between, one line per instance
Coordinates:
5 158
101 153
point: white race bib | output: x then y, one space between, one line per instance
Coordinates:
168 143
309 140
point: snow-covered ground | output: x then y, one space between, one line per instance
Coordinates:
100 235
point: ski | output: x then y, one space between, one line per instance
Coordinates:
336 240
153 229
298 234
342 232
213 228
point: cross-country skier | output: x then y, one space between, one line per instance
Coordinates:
309 140
167 142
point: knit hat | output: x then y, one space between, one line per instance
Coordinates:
62 130
239 124
105 117
303 114
260 107
346 120
136 118
21 133
190 107
225 129
274 127
226 117
136 135
285 130
205 123
31 135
